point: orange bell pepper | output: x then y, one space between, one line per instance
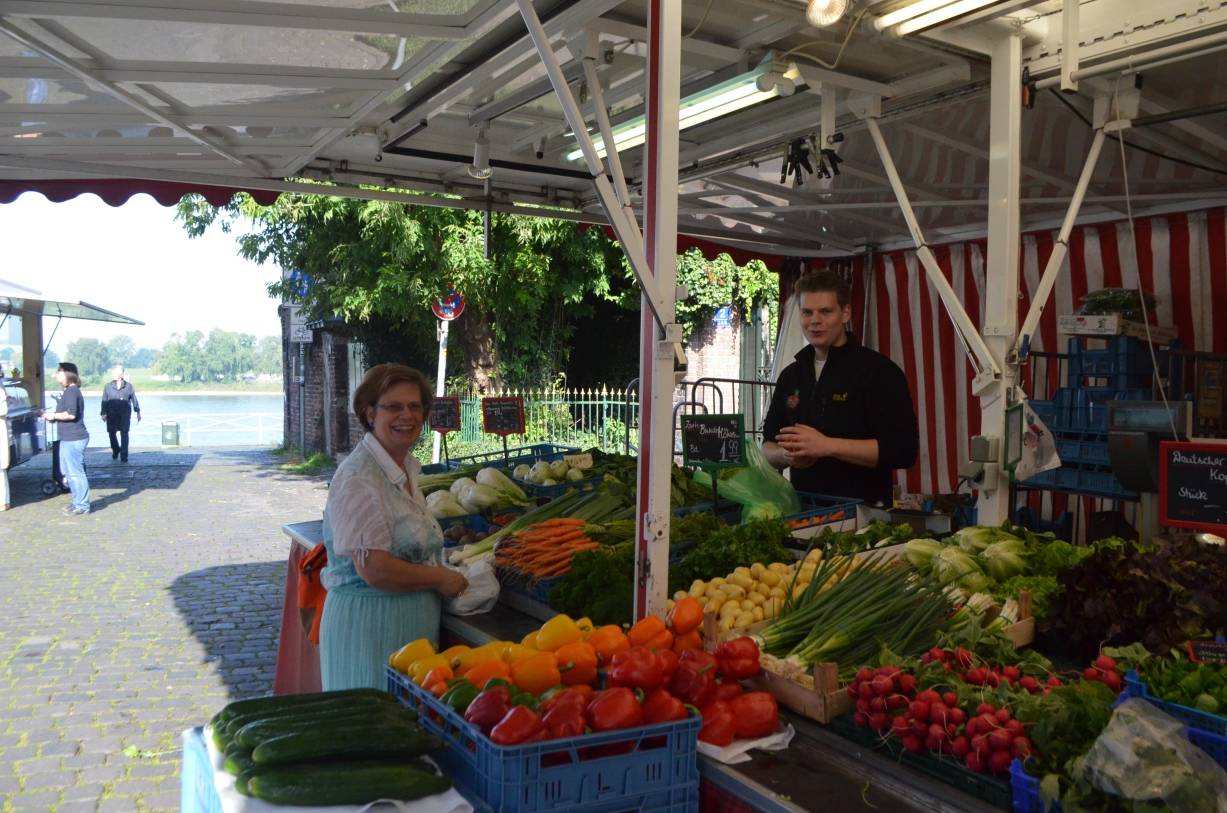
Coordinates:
536 674
577 663
690 640
483 672
608 641
646 630
436 680
663 640
516 653
686 615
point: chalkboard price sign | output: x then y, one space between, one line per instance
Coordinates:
713 441
445 414
1193 485
1208 652
503 416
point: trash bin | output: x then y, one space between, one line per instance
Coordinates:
170 433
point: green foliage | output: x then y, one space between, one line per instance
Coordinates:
121 349
317 463
90 356
222 356
715 283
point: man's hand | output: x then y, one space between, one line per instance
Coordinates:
138 417
803 445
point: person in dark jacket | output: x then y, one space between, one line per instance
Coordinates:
841 417
118 404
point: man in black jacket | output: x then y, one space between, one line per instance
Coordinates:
841 417
118 404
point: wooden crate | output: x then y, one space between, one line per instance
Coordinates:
823 703
1022 631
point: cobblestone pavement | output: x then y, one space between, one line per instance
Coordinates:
125 626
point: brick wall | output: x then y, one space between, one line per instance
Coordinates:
714 351
328 427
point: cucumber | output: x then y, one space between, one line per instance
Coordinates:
233 749
352 784
346 743
280 701
252 734
335 706
241 781
236 764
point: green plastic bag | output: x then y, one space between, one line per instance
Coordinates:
762 491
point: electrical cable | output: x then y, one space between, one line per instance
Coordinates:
1137 147
800 49
699 24
1133 235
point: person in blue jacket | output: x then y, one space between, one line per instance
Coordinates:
841 417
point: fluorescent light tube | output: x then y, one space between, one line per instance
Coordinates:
907 12
941 15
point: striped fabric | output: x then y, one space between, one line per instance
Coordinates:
1182 259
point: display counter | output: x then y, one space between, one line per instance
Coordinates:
820 771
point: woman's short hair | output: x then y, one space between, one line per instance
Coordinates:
70 372
383 377
816 281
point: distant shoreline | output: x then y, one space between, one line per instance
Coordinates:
191 393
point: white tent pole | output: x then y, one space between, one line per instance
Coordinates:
602 119
981 357
1002 261
1055 260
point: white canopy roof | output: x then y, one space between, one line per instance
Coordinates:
24 300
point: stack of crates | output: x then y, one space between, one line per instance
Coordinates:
1078 414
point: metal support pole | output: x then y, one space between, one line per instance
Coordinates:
1002 262
658 346
302 400
440 383
1053 267
982 359
1070 39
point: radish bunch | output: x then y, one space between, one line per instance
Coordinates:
1104 671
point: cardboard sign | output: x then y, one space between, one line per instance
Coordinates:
1207 651
445 414
1193 485
503 416
713 441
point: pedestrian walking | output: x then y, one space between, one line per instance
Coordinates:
74 437
118 404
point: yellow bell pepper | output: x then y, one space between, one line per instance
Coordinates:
516 653
455 651
557 632
586 627
421 668
465 661
401 659
529 640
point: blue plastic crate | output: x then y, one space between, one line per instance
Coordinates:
648 768
820 509
436 468
726 510
1195 719
474 522
1089 449
551 492
1076 479
516 456
1047 412
197 793
538 590
1025 792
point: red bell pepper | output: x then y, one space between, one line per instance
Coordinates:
489 707
756 713
738 659
668 663
566 719
694 682
719 725
614 708
662 707
637 668
577 696
521 725
728 690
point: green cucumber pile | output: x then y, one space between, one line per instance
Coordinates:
329 748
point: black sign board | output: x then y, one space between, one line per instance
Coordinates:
713 441
1208 651
445 414
1193 485
503 416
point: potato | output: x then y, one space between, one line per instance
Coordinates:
742 580
762 588
758 613
729 608
715 602
746 605
745 619
697 588
815 556
778 567
769 578
772 607
756 569
713 590
734 590
757 599
742 571
726 622
719 580
777 592
680 594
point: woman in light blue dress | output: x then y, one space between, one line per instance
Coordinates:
385 575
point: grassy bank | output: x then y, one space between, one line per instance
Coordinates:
143 380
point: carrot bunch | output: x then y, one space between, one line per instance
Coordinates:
543 550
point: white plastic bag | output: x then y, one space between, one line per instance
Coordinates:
739 750
482 592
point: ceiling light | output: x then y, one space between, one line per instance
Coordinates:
907 12
719 100
926 14
480 168
821 13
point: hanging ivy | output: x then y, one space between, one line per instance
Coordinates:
715 283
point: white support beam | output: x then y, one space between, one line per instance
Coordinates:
111 89
981 358
250 13
206 73
1070 42
1002 261
695 52
613 161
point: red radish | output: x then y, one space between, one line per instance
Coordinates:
937 731
861 719
950 699
975 677
973 727
957 716
951 730
960 747
895 702
937 713
862 705
879 721
979 744
933 743
900 726
877 704
929 696
963 656
1105 664
920 728
1091 673
937 654
1014 727
1011 673
854 690
907 684
999 762
946 667
864 674
1054 681
988 722
1029 683
985 708
919 709
974 763
992 679
888 671
1022 747
1003 716
1000 740
882 685
1112 681
913 744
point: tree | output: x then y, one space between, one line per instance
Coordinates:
379 266
182 357
268 356
715 283
145 357
51 359
121 349
90 356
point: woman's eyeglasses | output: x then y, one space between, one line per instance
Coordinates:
396 408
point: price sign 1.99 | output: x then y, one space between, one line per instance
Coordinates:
713 441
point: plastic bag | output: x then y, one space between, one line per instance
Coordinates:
1144 754
762 491
482 592
739 751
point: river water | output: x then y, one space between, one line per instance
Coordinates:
204 420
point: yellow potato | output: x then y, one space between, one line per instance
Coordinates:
697 588
742 571
778 567
680 594
746 605
757 569
769 578
758 613
713 590
762 588
757 599
715 602
745 619
772 606
726 622
743 580
730 608
719 580
777 592
734 590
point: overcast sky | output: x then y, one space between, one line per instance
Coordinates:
135 260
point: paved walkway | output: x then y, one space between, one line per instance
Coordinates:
123 627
